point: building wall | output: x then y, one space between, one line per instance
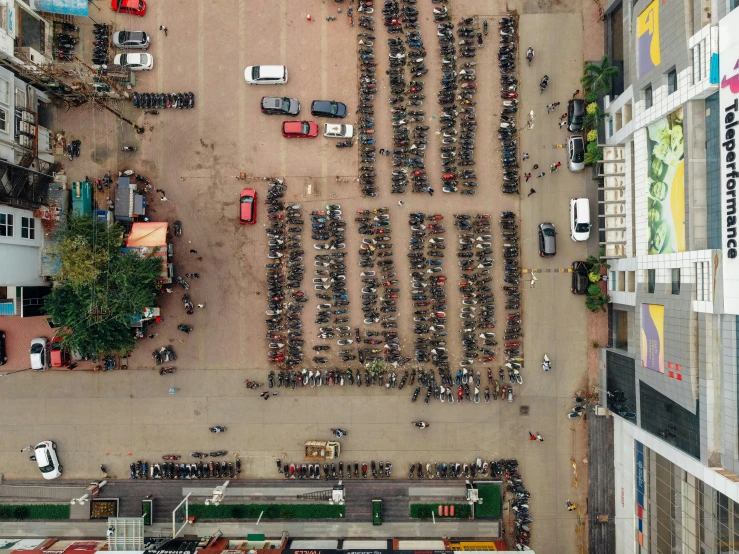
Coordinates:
20 258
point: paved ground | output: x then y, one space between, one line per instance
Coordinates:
194 155
601 490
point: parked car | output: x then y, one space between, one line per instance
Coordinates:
575 153
131 39
266 74
299 129
3 353
248 207
39 353
48 460
580 281
575 115
328 108
547 240
133 7
579 219
333 130
275 105
135 62
59 356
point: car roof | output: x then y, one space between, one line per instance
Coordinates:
275 71
583 209
293 126
248 192
578 106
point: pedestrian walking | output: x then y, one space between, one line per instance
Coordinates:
193 251
265 395
539 437
533 281
550 108
525 155
28 448
153 335
532 437
430 191
169 290
400 203
576 93
163 199
382 151
532 191
201 305
173 390
110 531
275 393
541 175
562 123
558 165
536 166
570 506
161 190
563 116
528 176
556 104
163 28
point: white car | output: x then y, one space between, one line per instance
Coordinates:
135 62
575 153
39 353
333 130
47 460
579 219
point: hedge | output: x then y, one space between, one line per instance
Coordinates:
34 511
423 511
271 511
490 507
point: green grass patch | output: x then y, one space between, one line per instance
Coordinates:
423 511
19 512
490 507
271 511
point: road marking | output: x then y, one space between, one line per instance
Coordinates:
548 270
201 65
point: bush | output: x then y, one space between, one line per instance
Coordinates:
597 302
34 511
593 148
591 108
591 97
594 277
594 290
592 136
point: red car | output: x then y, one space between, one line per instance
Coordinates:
59 356
248 207
133 7
299 129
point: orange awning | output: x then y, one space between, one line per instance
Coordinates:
153 233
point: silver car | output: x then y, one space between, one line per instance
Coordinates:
576 153
131 39
547 240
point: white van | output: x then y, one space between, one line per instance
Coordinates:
579 219
266 74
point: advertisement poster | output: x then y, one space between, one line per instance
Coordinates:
647 39
67 7
653 337
666 180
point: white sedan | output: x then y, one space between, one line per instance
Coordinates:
340 130
135 62
47 460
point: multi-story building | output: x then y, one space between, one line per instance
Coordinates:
668 226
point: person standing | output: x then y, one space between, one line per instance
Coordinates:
532 437
528 176
541 175
28 448
525 155
163 28
539 437
575 93
532 191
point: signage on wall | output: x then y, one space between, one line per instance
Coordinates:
653 337
640 488
729 118
649 54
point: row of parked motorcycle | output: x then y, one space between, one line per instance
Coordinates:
340 377
328 230
428 291
513 332
162 100
454 470
330 473
164 354
285 274
475 251
465 386
410 135
509 84
366 120
173 470
519 502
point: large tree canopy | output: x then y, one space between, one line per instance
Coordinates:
98 287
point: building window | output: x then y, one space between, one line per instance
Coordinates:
6 225
28 228
3 120
651 278
648 97
20 99
675 281
4 92
672 81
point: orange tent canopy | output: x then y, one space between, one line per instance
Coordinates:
149 234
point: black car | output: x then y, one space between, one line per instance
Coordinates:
575 115
3 354
280 106
328 108
580 281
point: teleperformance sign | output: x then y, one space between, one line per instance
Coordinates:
729 117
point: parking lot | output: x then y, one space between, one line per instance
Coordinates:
195 156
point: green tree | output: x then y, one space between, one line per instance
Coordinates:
595 265
597 302
597 77
93 305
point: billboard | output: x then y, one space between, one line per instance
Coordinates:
66 7
666 185
653 337
649 55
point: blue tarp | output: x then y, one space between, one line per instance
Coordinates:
67 7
